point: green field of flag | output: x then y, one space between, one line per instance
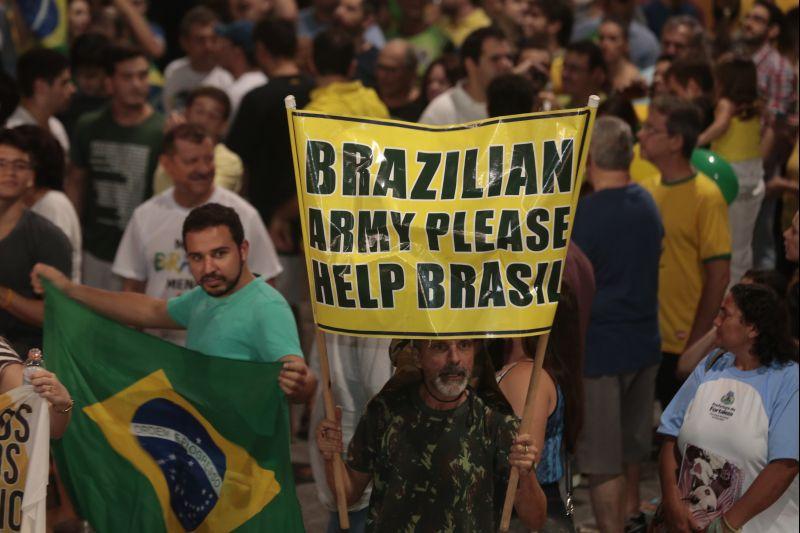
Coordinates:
167 439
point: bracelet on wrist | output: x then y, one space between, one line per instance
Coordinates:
728 525
65 410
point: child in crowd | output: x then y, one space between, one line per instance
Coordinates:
735 135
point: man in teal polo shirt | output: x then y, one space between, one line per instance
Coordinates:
231 313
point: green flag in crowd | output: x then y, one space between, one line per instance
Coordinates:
166 439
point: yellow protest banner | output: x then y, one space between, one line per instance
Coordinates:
420 231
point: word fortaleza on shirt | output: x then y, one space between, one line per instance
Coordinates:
446 220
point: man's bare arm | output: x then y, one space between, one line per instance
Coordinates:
717 276
694 353
133 285
296 380
330 443
28 310
75 187
127 307
152 45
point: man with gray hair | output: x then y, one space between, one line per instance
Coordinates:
619 228
683 36
396 76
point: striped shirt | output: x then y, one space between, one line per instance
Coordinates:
776 82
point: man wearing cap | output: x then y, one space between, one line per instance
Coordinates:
437 443
237 56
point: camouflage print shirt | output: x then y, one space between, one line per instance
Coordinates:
433 471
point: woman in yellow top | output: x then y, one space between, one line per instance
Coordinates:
735 135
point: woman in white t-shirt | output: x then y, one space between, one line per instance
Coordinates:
46 198
740 405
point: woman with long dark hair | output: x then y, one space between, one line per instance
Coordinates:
739 411
46 197
558 406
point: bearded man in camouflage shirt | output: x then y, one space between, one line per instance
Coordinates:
437 449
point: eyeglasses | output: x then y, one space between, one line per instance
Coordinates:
650 129
16 165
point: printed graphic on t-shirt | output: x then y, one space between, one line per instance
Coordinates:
120 177
708 483
723 409
173 264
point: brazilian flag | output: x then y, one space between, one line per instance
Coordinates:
166 439
47 20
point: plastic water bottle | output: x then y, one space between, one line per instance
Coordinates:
33 364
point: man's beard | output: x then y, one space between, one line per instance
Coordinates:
754 41
450 389
229 285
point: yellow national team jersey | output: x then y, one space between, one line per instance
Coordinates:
741 142
641 107
696 231
347 98
458 32
556 68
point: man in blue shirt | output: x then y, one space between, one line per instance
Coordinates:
230 314
620 230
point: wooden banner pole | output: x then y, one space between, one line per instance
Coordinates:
330 414
524 427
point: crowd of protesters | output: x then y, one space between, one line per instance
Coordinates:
673 293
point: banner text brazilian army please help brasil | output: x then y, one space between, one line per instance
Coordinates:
461 217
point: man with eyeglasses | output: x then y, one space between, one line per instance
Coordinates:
695 261
396 78
437 443
25 239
